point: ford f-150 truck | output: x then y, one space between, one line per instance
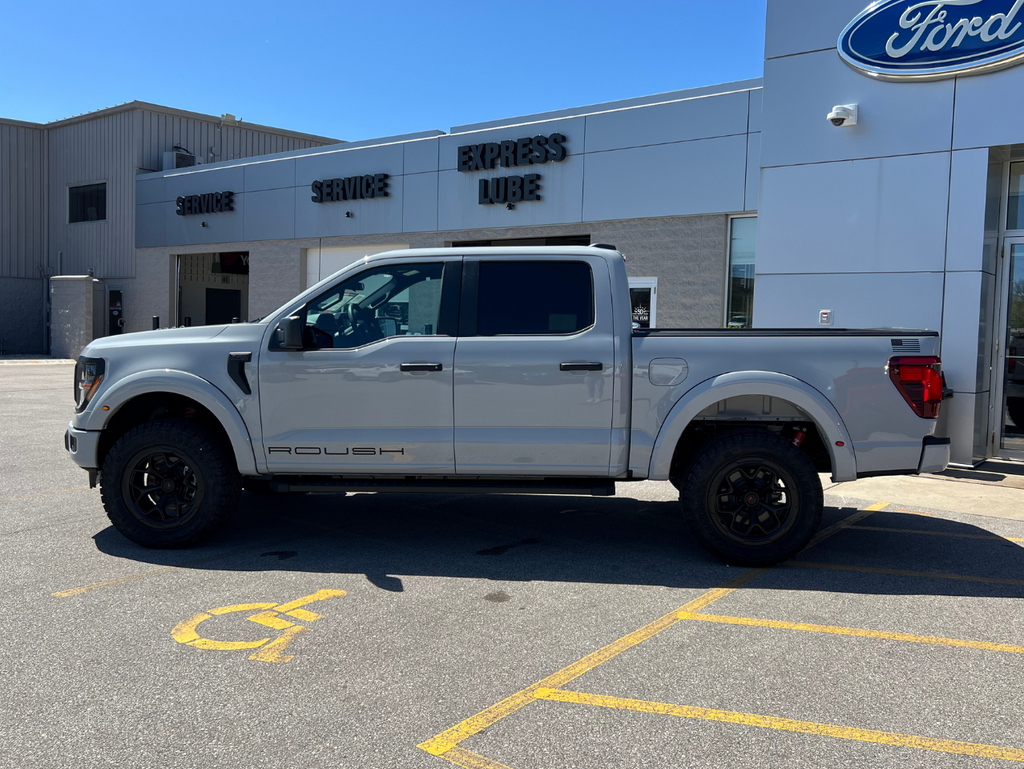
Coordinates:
499 370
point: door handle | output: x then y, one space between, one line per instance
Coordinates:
414 367
581 367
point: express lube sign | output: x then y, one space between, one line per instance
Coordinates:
915 40
512 153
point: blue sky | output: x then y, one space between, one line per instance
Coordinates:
360 70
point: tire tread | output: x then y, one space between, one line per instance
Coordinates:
221 495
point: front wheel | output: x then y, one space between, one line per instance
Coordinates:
752 498
169 483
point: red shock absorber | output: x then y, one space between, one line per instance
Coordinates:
799 435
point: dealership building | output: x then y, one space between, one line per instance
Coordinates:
872 178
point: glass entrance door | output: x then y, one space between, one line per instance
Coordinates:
1012 349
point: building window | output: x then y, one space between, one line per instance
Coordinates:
87 203
643 296
1015 209
742 240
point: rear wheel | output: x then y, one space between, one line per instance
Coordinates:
751 498
169 483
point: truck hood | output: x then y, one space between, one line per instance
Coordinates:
175 337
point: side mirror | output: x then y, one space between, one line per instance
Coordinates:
288 334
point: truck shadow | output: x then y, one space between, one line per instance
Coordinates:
617 540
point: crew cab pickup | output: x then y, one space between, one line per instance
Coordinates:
501 370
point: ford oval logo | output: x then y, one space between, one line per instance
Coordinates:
915 40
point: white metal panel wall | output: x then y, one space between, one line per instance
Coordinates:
113 149
21 201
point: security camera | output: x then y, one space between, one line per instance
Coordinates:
844 115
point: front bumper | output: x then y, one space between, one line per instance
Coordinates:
83 446
935 455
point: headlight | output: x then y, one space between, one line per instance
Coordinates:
88 375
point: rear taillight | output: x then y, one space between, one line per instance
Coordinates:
919 381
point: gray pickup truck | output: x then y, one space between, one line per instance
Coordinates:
499 370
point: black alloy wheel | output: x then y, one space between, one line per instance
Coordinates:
170 483
753 501
751 497
163 489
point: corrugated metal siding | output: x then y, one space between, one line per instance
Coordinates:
97 150
210 141
21 201
114 149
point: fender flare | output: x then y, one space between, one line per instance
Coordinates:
185 384
771 384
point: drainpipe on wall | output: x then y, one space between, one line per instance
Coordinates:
46 242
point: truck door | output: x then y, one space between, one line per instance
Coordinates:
534 367
372 391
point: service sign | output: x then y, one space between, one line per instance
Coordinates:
915 40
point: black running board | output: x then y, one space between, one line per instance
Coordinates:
594 487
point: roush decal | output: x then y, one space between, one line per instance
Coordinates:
314 451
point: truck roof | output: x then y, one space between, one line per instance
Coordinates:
561 251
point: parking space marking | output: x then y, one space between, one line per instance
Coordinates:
852 631
907 573
938 533
267 614
848 522
786 724
444 742
112 582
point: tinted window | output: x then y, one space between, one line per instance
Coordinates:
87 203
535 298
743 238
397 300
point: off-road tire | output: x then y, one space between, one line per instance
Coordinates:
706 491
195 461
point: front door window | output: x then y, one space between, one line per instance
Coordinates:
397 300
1013 369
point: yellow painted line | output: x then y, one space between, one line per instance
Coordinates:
186 632
271 619
319 595
446 741
846 523
938 533
226 646
851 631
272 651
305 616
449 739
908 573
469 760
111 582
787 725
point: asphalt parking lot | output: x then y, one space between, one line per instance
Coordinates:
512 631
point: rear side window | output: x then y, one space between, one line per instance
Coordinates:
535 298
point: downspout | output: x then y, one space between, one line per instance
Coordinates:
46 241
